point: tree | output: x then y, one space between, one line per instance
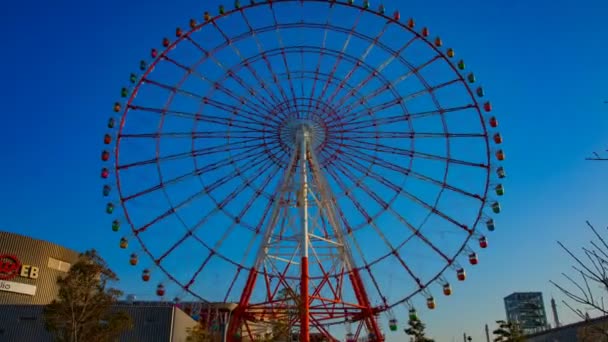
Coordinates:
592 270
287 312
507 332
416 331
82 310
198 333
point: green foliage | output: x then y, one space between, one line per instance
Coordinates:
416 331
199 334
82 310
507 332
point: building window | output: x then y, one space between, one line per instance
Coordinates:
59 265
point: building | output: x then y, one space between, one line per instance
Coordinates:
591 330
151 322
527 309
29 269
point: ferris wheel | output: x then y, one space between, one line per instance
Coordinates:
324 162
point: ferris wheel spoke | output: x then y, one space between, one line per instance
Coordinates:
191 230
374 72
255 107
366 265
352 162
254 112
229 122
414 71
197 172
283 55
367 146
418 201
352 116
321 55
239 54
232 282
341 55
414 230
262 51
254 118
239 145
224 68
360 61
234 134
347 191
407 135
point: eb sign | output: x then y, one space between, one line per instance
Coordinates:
10 267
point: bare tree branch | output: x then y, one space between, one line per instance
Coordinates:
592 270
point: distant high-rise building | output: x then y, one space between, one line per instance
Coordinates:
527 309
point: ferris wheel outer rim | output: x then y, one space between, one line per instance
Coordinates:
174 44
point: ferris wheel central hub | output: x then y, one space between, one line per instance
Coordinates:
294 129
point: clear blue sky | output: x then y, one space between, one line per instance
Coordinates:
543 63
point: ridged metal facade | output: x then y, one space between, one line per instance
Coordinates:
24 323
36 253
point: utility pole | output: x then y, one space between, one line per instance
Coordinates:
487 333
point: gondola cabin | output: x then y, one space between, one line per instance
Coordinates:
496 207
493 122
438 42
471 78
411 23
461 274
105 155
166 42
109 208
497 138
153 53
500 155
117 107
133 259
483 242
133 77
501 172
413 315
107 139
106 190
381 9
480 92
145 275
451 53
500 190
124 92
115 225
473 260
160 290
142 65
490 225
397 15
392 324
221 9
430 303
487 106
447 289
425 32
111 123
366 4
124 243
461 65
